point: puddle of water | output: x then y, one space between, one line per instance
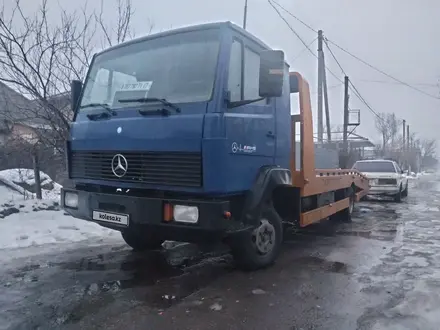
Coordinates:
329 266
365 234
158 292
160 279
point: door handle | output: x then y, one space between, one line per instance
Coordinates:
270 134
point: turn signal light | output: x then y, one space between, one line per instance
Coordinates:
167 212
227 215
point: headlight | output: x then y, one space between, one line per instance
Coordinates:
71 199
188 214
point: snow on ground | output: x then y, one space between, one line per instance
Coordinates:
34 228
23 180
28 222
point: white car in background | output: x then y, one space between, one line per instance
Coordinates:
385 176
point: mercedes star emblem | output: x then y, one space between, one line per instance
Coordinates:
119 165
234 147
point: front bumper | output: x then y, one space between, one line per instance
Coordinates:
384 190
150 213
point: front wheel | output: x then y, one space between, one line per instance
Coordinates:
260 247
398 196
138 240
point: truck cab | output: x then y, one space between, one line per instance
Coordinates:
214 143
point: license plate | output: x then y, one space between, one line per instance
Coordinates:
120 219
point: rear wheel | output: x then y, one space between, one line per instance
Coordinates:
345 214
405 192
260 247
139 240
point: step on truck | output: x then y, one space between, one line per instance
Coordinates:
187 135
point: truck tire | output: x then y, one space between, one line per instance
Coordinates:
260 247
345 214
139 241
398 196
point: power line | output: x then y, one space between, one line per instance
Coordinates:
295 17
396 83
330 87
334 57
307 47
353 88
359 96
354 56
291 28
383 72
304 49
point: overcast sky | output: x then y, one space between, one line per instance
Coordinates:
397 36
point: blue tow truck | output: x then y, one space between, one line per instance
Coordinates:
186 135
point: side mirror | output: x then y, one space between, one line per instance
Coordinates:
75 94
272 69
294 83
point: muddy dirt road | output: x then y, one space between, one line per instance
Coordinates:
380 272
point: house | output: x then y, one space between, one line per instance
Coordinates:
18 119
27 120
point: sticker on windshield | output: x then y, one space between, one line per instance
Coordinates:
138 86
131 92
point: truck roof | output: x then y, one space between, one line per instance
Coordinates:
197 27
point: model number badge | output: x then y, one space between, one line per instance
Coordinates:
237 147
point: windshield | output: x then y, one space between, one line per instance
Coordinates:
179 68
374 167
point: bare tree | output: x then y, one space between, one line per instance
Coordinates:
393 124
387 124
382 128
428 148
39 58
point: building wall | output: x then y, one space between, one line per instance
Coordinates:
325 158
23 132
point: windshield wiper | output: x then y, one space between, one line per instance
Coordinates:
151 100
102 105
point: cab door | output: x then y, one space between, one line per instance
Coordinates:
250 128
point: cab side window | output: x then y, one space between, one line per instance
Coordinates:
252 75
244 73
235 70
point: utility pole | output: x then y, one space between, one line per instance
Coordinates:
327 108
245 14
345 134
320 84
404 124
403 144
408 155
